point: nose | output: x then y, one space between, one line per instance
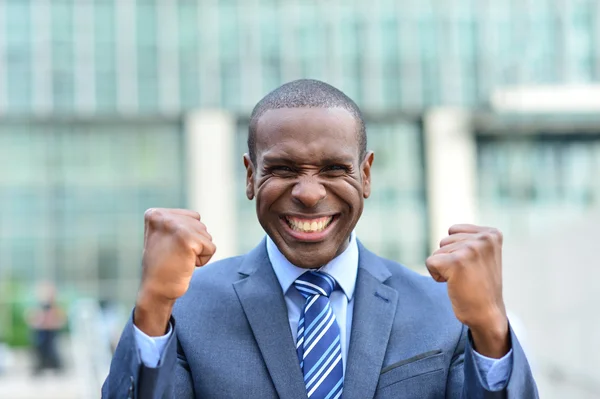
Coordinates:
308 192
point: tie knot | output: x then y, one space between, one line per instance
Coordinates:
315 283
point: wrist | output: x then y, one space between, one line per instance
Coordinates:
152 314
492 339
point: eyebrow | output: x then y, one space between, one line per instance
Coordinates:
326 161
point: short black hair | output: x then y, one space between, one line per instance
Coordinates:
306 93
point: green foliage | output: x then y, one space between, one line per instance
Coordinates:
18 334
13 326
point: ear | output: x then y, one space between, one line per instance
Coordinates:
249 177
366 173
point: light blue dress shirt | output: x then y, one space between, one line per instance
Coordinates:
344 268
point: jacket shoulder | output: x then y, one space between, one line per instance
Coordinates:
224 270
419 288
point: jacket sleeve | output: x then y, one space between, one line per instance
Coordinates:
465 381
129 378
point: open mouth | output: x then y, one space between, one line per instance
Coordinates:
309 228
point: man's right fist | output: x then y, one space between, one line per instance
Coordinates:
175 242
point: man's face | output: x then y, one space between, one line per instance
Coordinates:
308 181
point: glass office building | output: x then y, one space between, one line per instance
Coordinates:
93 94
158 56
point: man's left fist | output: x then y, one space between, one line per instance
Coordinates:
470 261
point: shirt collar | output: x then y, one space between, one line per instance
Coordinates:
343 268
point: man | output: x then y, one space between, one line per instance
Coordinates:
310 312
46 321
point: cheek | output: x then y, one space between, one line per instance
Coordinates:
348 190
269 192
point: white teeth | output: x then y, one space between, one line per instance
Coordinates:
314 226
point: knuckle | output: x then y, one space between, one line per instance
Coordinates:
492 236
486 236
150 213
497 234
471 247
439 251
194 245
153 216
210 250
455 259
182 235
464 256
171 224
179 231
432 264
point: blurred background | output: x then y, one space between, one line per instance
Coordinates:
481 111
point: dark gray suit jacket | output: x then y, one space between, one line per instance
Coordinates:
232 340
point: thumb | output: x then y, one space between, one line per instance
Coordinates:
202 260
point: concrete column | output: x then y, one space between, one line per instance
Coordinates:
210 136
451 163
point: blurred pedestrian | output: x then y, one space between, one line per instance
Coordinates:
46 321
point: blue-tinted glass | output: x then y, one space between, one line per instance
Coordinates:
18 55
581 42
105 56
349 46
398 197
429 61
189 57
63 68
425 52
390 57
467 60
231 62
309 44
270 30
147 62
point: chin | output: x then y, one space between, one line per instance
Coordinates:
309 255
308 260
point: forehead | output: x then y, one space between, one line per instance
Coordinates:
307 133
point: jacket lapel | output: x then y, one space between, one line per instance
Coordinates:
374 309
264 305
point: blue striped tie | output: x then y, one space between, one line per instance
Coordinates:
318 345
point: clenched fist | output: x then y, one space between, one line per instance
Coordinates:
175 243
470 261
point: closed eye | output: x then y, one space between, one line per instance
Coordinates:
335 168
281 171
281 168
